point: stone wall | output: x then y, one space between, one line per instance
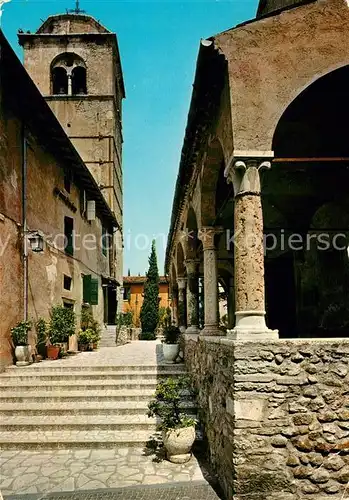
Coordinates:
275 414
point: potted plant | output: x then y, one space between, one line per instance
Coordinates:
20 340
178 429
170 345
62 326
90 339
41 337
85 339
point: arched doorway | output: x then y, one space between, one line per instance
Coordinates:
306 186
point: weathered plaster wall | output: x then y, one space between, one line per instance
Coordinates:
45 212
276 415
273 59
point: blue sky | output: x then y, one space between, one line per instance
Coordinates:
159 44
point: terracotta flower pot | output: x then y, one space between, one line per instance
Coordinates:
178 444
53 351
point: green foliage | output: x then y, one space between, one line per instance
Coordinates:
171 334
20 333
62 324
124 319
166 403
147 336
150 308
89 323
163 316
41 336
41 330
86 336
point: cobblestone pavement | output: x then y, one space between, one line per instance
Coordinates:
173 491
89 469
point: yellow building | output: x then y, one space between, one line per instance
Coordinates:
133 295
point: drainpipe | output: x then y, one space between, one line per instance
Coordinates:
24 224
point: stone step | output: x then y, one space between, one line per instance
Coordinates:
33 385
60 439
82 422
60 366
78 396
88 375
88 407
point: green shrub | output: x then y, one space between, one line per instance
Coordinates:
89 323
149 314
166 403
41 336
124 319
171 334
147 336
20 333
62 324
86 336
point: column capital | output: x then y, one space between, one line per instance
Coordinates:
243 171
182 283
206 234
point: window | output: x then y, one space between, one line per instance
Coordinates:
59 81
90 290
79 85
127 293
68 75
67 281
69 235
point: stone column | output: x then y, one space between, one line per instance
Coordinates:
206 235
192 296
174 303
182 283
243 172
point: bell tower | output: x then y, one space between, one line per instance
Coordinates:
75 63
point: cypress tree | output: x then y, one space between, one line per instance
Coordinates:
150 308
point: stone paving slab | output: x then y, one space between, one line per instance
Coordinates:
174 491
137 353
31 472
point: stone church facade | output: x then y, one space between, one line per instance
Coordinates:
261 208
61 174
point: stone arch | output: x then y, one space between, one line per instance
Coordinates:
314 123
68 74
213 165
173 276
309 172
180 260
192 242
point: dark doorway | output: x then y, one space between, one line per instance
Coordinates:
110 304
280 292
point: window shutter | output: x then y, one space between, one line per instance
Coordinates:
86 283
94 291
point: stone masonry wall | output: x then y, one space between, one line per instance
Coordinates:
275 414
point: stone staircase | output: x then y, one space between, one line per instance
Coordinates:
108 337
69 405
